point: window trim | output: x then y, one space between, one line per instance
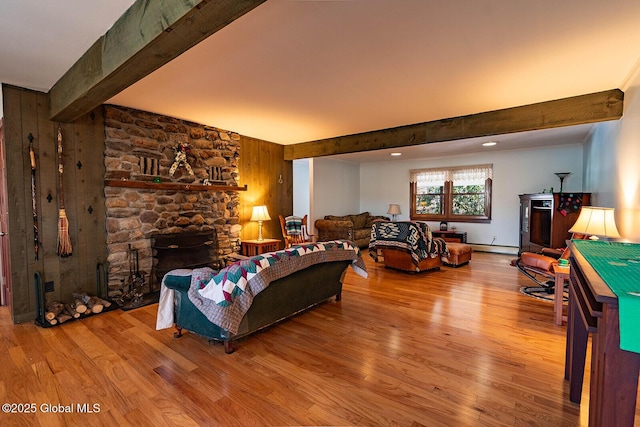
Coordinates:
447 214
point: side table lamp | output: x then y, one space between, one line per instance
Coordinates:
596 222
394 211
260 213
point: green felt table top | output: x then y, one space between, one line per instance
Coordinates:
618 264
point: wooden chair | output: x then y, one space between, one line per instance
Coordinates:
292 236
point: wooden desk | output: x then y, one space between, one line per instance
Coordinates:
257 247
562 275
593 307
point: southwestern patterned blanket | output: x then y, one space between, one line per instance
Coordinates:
224 297
414 237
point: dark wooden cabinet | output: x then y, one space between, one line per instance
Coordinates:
545 219
451 236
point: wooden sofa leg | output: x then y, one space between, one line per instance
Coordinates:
228 347
339 296
178 332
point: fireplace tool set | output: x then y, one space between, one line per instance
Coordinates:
132 289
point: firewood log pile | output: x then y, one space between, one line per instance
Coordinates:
82 306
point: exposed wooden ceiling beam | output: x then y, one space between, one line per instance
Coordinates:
147 36
591 108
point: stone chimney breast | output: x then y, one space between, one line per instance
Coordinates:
143 146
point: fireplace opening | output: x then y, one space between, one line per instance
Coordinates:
182 250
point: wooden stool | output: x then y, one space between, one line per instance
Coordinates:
459 254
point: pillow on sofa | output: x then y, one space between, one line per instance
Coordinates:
359 220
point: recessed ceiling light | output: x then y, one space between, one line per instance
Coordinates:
396 154
489 144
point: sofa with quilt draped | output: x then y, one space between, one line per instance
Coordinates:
255 292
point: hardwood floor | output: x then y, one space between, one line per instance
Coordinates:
456 347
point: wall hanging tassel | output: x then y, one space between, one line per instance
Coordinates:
34 206
64 243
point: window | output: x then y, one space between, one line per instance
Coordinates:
461 194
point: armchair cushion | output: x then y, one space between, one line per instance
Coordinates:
538 261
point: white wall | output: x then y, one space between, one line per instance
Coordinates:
334 188
515 172
611 164
600 164
301 185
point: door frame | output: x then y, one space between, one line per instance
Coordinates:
5 259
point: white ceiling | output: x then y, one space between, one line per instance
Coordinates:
40 40
298 70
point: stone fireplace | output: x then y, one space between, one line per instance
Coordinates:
143 147
183 250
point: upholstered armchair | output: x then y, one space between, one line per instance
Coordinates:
407 246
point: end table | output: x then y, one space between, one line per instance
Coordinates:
257 247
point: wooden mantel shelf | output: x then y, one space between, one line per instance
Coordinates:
170 186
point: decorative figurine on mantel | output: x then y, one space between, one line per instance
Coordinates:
181 159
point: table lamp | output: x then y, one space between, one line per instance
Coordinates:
394 211
260 213
596 222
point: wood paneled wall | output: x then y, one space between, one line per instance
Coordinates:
27 112
261 166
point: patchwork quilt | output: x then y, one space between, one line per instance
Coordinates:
413 237
226 296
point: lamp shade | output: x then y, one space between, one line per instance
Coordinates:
595 221
260 213
394 209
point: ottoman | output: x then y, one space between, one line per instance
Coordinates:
459 254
